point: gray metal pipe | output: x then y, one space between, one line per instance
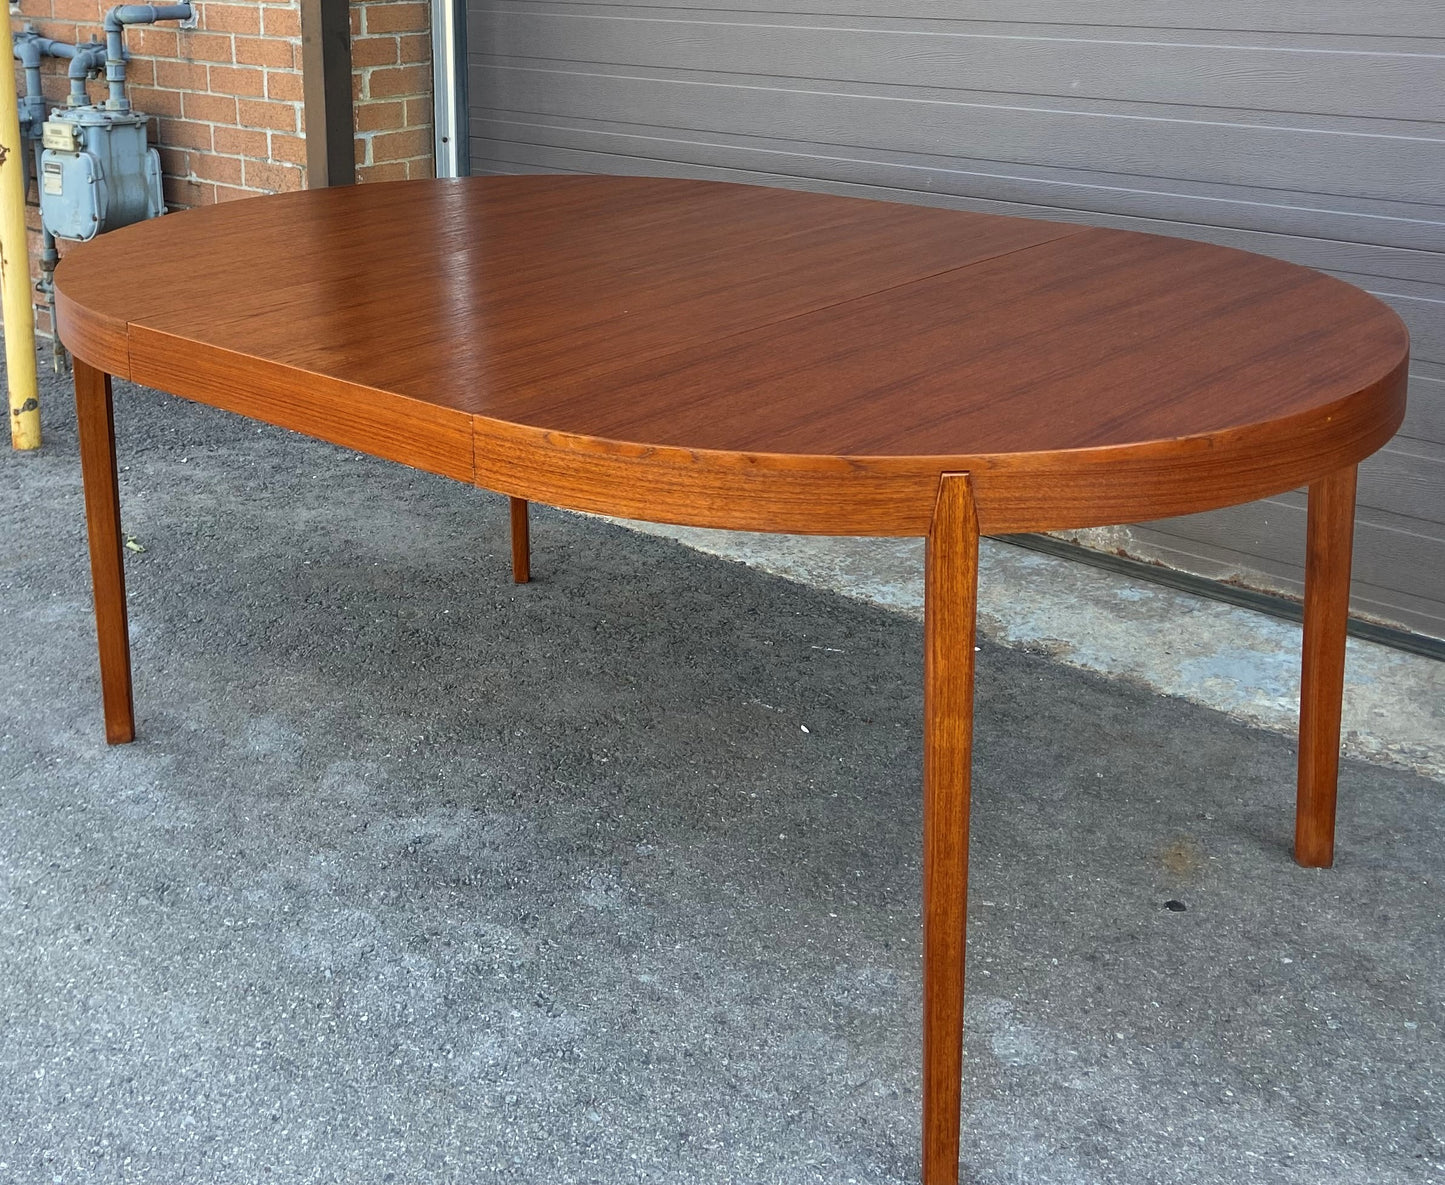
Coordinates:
28 53
144 14
86 60
29 49
49 259
115 22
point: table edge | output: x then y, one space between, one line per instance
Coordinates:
768 492
888 495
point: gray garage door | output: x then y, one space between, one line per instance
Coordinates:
1313 130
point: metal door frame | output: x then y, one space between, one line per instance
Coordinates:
449 87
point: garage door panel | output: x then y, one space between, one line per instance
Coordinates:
1405 18
1311 130
1129 65
923 177
1270 536
1343 163
1425 415
1405 478
1377 554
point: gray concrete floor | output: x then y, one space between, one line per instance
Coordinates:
1240 662
415 876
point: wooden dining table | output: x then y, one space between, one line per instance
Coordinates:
765 359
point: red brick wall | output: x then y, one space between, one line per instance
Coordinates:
225 96
392 89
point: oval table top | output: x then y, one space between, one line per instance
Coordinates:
748 357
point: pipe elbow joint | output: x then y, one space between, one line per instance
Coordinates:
125 14
87 61
145 14
27 51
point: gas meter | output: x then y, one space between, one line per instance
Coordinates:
97 172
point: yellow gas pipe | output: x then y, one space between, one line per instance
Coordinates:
18 311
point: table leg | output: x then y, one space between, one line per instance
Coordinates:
521 543
950 608
107 555
1330 531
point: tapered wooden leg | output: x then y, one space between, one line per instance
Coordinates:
950 607
1331 533
107 563
521 543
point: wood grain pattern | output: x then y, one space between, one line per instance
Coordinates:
741 492
1322 673
892 495
521 542
730 357
92 333
398 428
470 289
1098 339
96 424
949 614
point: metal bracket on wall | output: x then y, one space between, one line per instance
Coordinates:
326 93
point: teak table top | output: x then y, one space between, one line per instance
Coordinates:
734 356
731 356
